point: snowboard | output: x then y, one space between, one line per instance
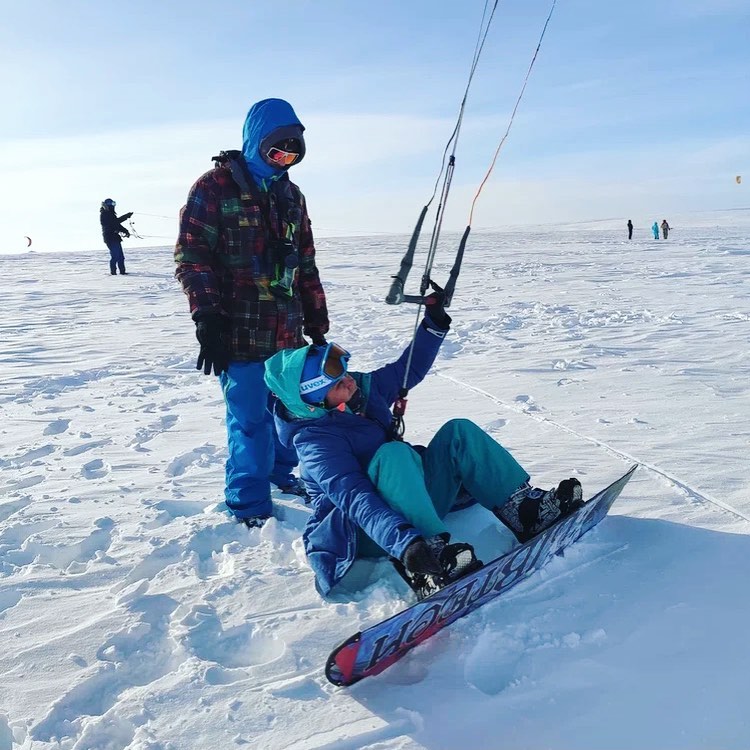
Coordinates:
371 651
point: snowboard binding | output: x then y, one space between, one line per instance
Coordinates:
530 511
457 560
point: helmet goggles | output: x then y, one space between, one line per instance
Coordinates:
324 367
281 158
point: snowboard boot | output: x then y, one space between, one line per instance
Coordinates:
295 487
457 560
253 522
531 510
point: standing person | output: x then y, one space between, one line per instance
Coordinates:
372 495
113 232
630 229
665 229
246 260
655 230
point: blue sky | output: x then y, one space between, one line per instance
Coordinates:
634 108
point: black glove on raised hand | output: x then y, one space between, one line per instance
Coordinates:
434 304
419 558
214 353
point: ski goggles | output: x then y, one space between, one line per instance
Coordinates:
322 371
281 158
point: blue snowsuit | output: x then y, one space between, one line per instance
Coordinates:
370 495
655 230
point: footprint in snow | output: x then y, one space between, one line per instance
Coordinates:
57 427
496 424
526 403
239 646
9 509
8 600
203 456
31 457
145 434
73 555
95 469
76 450
25 483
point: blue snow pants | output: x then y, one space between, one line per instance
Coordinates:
256 457
424 488
116 256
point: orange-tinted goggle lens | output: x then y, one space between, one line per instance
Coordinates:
335 362
282 158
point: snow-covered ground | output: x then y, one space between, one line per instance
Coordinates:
135 614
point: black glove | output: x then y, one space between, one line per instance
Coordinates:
318 339
434 304
214 353
125 233
126 216
419 558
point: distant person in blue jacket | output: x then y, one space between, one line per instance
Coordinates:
373 495
113 232
655 230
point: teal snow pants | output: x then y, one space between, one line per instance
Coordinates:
424 488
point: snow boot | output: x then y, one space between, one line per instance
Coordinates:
531 510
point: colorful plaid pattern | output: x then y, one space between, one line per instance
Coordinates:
223 264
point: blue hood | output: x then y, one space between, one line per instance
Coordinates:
262 121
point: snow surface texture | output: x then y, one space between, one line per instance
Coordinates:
135 614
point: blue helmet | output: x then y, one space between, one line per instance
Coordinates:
108 203
324 367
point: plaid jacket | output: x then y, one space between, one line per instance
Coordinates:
225 261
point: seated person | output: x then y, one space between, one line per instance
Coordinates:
372 494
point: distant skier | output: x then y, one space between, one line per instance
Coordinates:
655 230
113 232
372 495
630 229
665 229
